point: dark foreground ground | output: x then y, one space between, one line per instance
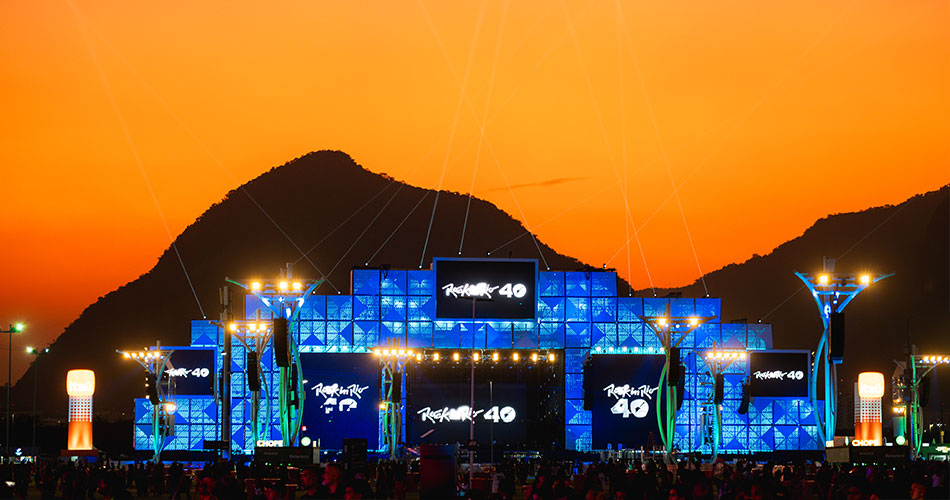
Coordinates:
530 480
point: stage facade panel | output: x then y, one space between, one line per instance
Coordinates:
576 313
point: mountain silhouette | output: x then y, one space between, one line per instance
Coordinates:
339 214
323 204
911 239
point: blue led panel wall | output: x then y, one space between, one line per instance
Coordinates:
578 311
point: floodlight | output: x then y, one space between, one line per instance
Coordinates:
551 357
298 285
419 356
515 356
171 407
18 327
823 279
255 286
283 286
382 406
693 321
233 327
475 356
455 356
376 352
661 321
534 356
494 356
865 279
435 356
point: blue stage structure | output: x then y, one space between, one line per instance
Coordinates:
577 313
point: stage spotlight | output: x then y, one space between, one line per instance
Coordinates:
435 356
283 286
823 279
382 406
376 352
534 357
298 285
455 356
255 286
515 357
551 357
661 321
475 356
693 321
233 327
494 356
865 279
419 356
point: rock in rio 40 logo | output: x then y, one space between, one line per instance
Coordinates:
338 397
639 407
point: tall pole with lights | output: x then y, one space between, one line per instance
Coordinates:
671 331
36 367
153 360
717 361
14 328
832 293
927 365
283 299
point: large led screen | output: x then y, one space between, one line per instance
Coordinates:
192 371
517 405
342 399
622 392
439 413
777 374
501 289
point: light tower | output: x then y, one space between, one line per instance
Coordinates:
153 360
284 299
927 364
670 330
832 292
717 361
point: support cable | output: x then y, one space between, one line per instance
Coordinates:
404 219
481 135
135 152
603 130
467 101
666 160
195 138
455 120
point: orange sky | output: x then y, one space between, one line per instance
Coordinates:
764 115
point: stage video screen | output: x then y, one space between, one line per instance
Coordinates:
503 289
519 406
191 371
778 374
342 399
622 392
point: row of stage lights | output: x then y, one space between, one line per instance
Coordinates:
263 326
825 279
625 349
282 286
725 355
436 356
662 321
934 359
143 355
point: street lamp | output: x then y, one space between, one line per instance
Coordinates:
14 328
36 356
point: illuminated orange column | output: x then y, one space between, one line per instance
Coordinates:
867 409
80 385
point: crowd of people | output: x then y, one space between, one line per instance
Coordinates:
508 480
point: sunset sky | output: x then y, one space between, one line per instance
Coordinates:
722 129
